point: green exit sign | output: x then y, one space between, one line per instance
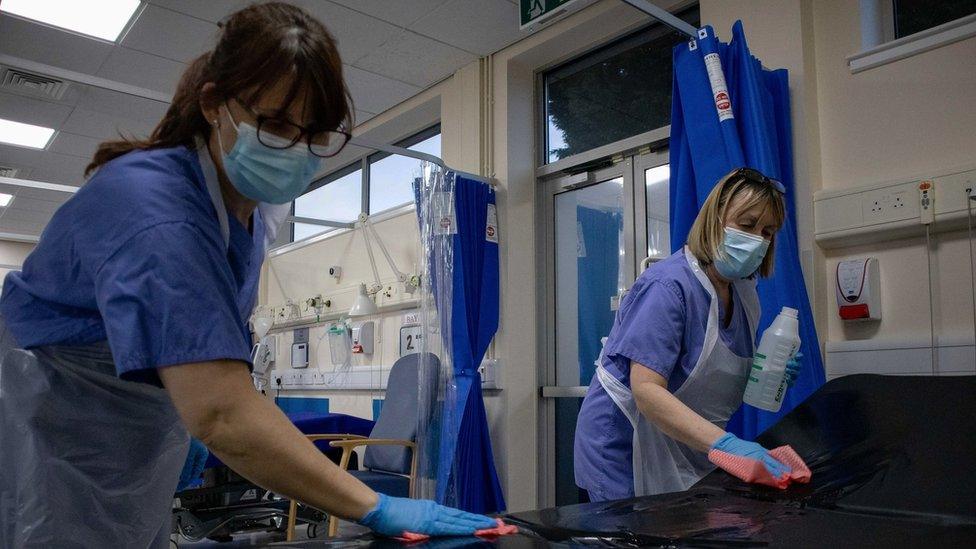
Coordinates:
538 11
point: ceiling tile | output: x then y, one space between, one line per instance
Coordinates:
374 93
477 26
33 111
415 59
27 204
357 34
209 10
363 116
72 144
400 13
41 195
43 44
21 227
142 69
105 126
170 34
121 104
14 213
20 156
61 168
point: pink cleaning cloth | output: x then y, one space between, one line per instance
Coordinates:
501 529
752 470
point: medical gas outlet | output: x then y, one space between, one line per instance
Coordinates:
859 289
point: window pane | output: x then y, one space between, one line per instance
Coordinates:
913 16
391 178
613 93
339 200
657 181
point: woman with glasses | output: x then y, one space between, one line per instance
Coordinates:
126 331
675 364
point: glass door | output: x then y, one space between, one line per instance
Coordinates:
602 226
591 263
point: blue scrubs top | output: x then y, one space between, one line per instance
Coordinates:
137 257
661 325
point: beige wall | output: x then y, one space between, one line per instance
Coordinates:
913 116
13 254
906 118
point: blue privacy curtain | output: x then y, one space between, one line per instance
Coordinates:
598 270
754 131
466 286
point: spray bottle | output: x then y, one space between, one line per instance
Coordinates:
766 386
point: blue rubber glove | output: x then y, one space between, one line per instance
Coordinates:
734 445
394 516
193 467
793 369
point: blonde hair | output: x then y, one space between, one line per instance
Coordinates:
708 231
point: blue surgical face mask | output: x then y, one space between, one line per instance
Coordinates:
740 254
264 174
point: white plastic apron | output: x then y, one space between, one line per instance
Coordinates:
87 459
713 390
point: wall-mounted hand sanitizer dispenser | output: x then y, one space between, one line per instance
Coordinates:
362 337
859 289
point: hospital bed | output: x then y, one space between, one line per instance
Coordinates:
892 460
228 503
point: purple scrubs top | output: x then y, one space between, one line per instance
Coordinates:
660 324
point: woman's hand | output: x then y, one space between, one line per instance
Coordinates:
793 367
734 445
394 516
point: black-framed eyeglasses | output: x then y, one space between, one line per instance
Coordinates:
756 175
278 133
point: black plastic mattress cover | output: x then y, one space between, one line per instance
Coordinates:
892 459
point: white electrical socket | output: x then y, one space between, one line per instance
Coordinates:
886 205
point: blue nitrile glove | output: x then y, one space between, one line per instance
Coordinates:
193 467
394 516
734 445
793 369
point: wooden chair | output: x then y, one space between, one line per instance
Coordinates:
293 506
390 456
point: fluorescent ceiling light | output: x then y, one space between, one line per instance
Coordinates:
103 19
5 199
25 135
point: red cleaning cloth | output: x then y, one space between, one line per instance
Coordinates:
752 470
501 529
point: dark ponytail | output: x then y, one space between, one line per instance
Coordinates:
258 46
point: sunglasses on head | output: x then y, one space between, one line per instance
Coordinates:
756 175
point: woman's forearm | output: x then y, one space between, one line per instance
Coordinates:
669 414
255 439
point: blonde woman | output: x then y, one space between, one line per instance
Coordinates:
676 362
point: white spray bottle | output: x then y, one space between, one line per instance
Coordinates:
766 386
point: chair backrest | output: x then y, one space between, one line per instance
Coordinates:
399 415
